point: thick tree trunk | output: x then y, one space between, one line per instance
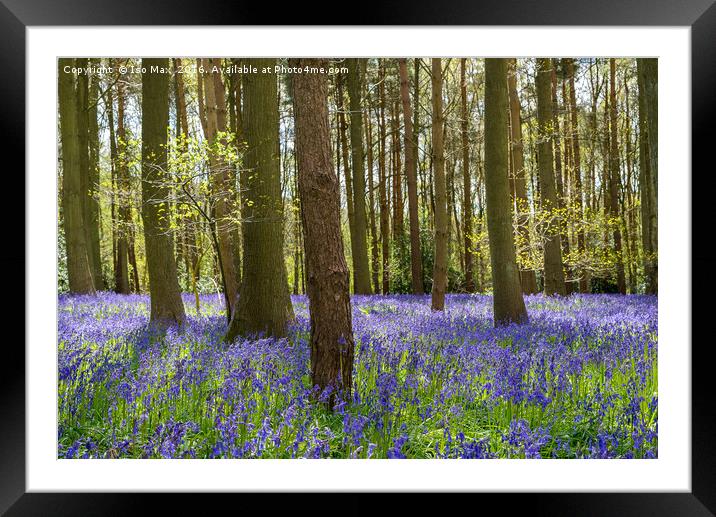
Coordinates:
614 178
411 172
78 263
553 268
167 307
509 306
361 269
328 281
441 215
264 304
528 278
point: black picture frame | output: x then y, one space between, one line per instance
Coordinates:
700 15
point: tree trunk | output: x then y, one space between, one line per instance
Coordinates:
361 269
382 187
411 172
441 215
166 303
553 268
583 284
109 108
78 263
614 177
93 208
222 190
342 131
466 181
528 278
191 256
374 252
509 306
397 177
121 278
328 280
264 304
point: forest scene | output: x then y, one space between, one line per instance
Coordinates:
357 258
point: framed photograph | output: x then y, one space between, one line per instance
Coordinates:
278 258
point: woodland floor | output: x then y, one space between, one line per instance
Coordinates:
578 381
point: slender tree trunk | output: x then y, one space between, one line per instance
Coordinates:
109 108
328 281
411 172
235 127
578 194
553 268
558 168
441 216
222 191
342 130
191 256
614 177
627 204
397 177
360 250
78 262
466 181
124 198
264 304
167 307
382 189
528 278
374 252
509 306
93 208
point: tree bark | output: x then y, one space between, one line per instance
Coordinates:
528 278
361 269
466 181
342 131
121 279
411 172
508 304
561 195
93 208
222 190
382 187
264 304
553 268
614 178
374 252
576 159
441 215
166 303
78 263
328 280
